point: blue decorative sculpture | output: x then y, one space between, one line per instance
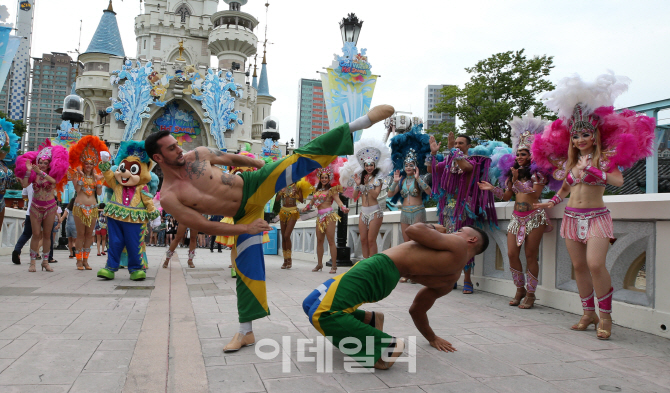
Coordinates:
136 94
218 100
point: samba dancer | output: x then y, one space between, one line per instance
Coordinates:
527 225
44 169
586 146
8 146
327 190
289 215
84 157
366 170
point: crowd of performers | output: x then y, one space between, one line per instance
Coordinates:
578 154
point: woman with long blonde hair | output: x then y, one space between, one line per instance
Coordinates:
586 146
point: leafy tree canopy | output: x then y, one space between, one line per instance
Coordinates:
506 84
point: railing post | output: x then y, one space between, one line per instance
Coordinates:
343 254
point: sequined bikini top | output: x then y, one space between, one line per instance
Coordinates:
526 187
586 178
409 190
43 188
322 196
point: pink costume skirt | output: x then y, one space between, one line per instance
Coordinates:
582 224
523 223
43 209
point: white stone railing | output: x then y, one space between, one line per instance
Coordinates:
642 228
11 229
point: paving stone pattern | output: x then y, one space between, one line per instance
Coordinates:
68 331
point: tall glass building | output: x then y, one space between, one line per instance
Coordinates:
52 79
312 115
431 97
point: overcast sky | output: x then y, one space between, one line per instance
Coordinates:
415 43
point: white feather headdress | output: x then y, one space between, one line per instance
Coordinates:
524 129
591 95
365 150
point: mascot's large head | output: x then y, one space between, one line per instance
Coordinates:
133 164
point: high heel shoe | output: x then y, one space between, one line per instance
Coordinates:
45 266
318 267
285 264
333 270
80 264
581 326
85 263
31 268
517 299
290 263
604 334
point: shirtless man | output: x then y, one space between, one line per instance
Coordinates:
432 258
193 186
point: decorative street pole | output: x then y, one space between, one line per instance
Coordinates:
350 27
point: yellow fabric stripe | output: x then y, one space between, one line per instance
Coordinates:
327 303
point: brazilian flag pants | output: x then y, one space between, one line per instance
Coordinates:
259 187
332 308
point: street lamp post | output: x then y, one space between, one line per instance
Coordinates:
350 27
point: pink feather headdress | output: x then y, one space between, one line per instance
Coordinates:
56 154
625 136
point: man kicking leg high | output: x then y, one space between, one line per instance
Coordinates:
431 257
193 186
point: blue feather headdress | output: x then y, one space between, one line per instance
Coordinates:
7 127
131 148
411 140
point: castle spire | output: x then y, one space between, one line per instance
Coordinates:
263 85
254 81
107 38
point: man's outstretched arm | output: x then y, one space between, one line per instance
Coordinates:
423 301
217 157
196 221
428 236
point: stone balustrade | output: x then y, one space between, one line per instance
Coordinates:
637 261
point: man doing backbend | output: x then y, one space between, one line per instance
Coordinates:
432 258
193 186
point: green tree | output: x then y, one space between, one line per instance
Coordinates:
506 84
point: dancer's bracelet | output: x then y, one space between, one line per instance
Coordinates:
556 199
393 186
498 192
596 172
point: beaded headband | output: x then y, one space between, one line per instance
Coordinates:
581 121
525 140
327 170
89 155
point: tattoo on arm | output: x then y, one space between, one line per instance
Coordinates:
196 168
522 207
216 152
227 179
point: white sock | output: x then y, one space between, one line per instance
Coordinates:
245 327
360 123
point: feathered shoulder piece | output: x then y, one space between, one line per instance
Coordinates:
9 141
410 146
366 151
87 150
56 154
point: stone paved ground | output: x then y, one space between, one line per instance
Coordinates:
69 332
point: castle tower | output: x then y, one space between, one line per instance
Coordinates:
233 39
165 23
93 84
